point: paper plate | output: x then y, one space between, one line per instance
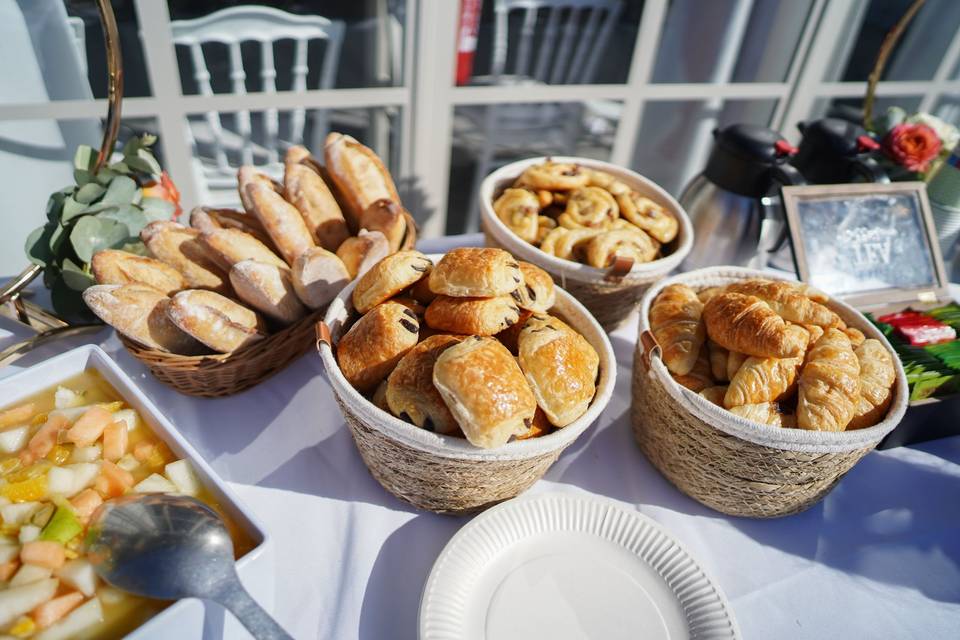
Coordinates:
558 566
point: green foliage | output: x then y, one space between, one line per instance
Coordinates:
105 210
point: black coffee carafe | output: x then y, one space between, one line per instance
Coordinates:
835 151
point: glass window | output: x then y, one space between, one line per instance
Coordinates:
365 40
486 137
734 41
675 137
552 42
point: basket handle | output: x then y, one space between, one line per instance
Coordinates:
621 266
323 334
649 348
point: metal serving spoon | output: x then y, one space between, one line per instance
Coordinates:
172 547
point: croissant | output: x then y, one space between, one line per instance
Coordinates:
787 301
719 359
829 384
856 336
699 377
877 375
762 380
709 292
764 413
676 325
747 324
735 360
715 394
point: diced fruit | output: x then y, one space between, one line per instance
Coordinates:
114 441
9 551
85 454
10 465
79 620
144 449
16 601
43 515
155 483
24 627
16 415
29 533
85 503
26 491
63 527
29 472
12 440
43 553
110 596
181 473
64 398
70 480
59 454
128 417
115 481
80 575
89 427
16 514
30 573
128 462
52 610
44 440
7 569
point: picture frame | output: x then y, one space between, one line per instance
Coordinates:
870 244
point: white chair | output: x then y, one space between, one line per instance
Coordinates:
79 40
570 44
264 25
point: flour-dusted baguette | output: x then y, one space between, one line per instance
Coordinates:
139 312
111 266
387 217
307 191
247 175
230 246
362 251
318 276
215 320
268 289
181 248
282 221
205 219
359 174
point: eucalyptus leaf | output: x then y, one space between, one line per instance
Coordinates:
148 140
121 190
82 177
88 193
130 216
72 209
97 207
92 233
57 238
75 277
105 175
120 167
68 303
131 146
157 208
37 245
85 158
139 164
55 204
146 156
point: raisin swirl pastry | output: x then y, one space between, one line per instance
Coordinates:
590 207
554 176
519 209
603 249
410 393
389 277
373 346
563 243
648 215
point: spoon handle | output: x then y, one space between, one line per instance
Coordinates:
250 614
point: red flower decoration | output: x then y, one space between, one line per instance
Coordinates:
912 145
166 190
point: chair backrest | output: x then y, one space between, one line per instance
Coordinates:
266 25
569 47
79 40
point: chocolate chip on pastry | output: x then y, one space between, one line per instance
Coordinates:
370 350
139 312
472 316
306 190
181 248
318 276
268 289
484 388
362 251
511 334
561 367
230 246
410 391
539 427
111 266
389 277
536 292
215 320
475 272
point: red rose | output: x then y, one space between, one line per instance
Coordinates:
912 145
166 190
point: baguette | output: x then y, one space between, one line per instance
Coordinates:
139 312
206 219
269 289
362 251
230 246
281 220
247 175
111 266
181 248
318 276
215 320
387 217
358 173
307 191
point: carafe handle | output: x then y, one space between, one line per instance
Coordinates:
773 223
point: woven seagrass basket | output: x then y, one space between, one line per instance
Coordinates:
610 294
725 462
446 474
223 374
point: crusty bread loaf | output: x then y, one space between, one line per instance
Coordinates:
230 246
267 288
282 221
139 312
358 173
318 276
247 175
181 248
209 219
215 320
362 251
111 266
387 217
307 191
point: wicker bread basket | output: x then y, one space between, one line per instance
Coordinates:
609 294
725 462
223 374
446 474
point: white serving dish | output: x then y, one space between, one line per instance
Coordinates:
187 618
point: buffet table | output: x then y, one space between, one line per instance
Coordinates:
880 557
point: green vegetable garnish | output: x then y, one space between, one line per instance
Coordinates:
63 526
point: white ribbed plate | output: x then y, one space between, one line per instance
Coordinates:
557 566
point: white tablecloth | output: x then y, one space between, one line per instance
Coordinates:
879 558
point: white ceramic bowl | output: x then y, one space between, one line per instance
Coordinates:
183 619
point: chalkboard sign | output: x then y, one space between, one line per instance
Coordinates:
867 241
